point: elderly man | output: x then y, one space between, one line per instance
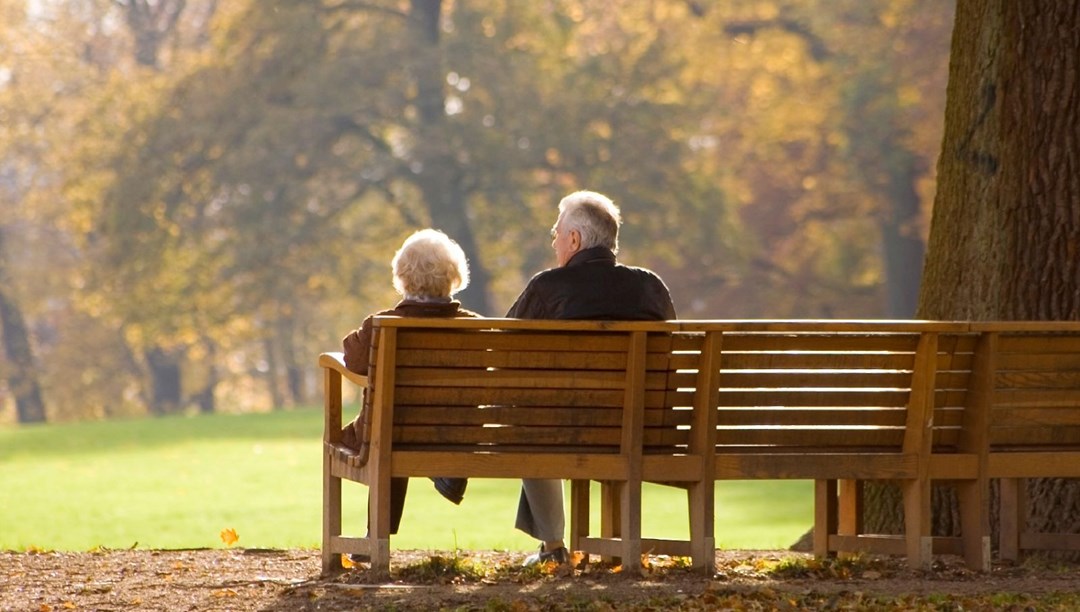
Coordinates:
587 284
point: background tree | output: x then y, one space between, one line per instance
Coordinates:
227 181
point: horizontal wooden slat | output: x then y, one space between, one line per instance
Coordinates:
808 439
512 436
424 396
661 342
829 343
880 417
958 361
498 340
658 546
548 360
953 466
1034 436
834 378
1038 343
731 360
812 397
1028 361
509 465
671 468
533 325
532 415
1059 463
601 438
952 379
944 439
950 398
892 545
957 343
1049 541
1038 379
568 380
1036 397
817 466
608 547
1036 417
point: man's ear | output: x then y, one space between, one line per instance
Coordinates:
575 241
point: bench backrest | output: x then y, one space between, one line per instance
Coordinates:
1035 402
820 399
498 386
803 392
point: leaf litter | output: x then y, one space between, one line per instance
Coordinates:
279 580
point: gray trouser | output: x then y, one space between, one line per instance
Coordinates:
540 509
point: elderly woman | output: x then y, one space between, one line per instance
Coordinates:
429 269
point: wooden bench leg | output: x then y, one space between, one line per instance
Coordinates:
825 516
701 501
974 500
1012 509
849 510
610 524
918 544
379 524
630 528
331 558
579 514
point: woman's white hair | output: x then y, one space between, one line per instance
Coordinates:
594 216
430 265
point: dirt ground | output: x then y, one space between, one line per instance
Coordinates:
247 579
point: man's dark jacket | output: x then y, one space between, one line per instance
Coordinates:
591 286
594 286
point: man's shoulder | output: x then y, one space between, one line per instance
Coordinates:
639 270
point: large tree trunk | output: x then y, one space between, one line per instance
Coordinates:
440 176
20 371
1005 236
164 366
902 245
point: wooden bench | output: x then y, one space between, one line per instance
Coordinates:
1032 423
688 403
839 403
491 398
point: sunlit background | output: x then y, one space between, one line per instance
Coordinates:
197 197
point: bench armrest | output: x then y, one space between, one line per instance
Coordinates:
333 365
336 362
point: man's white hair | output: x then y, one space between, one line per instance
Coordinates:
594 216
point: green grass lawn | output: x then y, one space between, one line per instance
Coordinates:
178 482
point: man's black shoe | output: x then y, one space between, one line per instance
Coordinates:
452 489
559 555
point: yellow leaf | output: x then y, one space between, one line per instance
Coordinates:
224 593
346 562
577 558
229 536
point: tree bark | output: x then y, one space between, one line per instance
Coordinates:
21 372
902 245
1005 235
164 380
438 173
